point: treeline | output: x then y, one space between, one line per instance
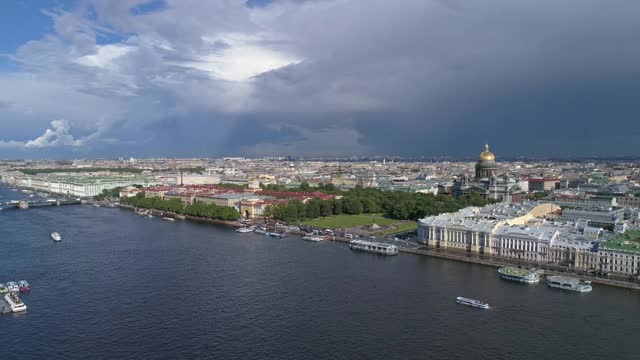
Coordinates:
398 205
176 206
304 187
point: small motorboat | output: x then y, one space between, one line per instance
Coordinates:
244 230
13 286
24 286
55 236
168 219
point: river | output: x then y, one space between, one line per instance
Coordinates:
120 286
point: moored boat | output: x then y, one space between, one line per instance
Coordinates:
24 286
12 286
569 283
473 303
260 230
15 303
168 219
312 238
374 247
55 236
244 230
519 274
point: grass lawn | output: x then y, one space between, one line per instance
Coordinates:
345 221
402 227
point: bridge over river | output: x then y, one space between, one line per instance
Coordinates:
37 203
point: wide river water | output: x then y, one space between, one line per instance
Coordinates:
120 286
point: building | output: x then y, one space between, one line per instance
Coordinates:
486 167
521 232
604 217
621 254
486 182
542 184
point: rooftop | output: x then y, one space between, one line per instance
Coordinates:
629 241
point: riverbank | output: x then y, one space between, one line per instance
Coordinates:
155 212
492 261
548 269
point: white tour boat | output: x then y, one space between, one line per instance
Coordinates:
471 302
569 283
374 247
15 303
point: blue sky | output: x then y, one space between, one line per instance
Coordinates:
101 78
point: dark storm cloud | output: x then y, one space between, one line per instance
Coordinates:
411 77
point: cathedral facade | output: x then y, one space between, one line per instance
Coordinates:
487 183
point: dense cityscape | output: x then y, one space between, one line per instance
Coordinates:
580 216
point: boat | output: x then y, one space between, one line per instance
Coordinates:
15 303
569 283
181 217
374 247
24 286
473 303
3 288
13 286
276 234
55 236
312 238
149 216
168 219
244 230
260 230
519 274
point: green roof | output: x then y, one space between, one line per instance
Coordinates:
629 241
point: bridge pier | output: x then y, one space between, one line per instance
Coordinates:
23 205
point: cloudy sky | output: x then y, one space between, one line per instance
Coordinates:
104 78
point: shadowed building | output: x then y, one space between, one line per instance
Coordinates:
486 182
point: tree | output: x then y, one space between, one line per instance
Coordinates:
325 208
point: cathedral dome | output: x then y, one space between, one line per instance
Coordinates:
487 155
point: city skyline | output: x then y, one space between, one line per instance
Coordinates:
88 79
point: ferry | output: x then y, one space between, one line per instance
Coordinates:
374 247
24 286
244 230
524 275
55 236
3 288
15 303
13 286
569 283
473 303
312 238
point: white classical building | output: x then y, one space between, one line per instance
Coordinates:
523 232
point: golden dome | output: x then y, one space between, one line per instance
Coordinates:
487 155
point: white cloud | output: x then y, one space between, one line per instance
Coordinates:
58 135
105 55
